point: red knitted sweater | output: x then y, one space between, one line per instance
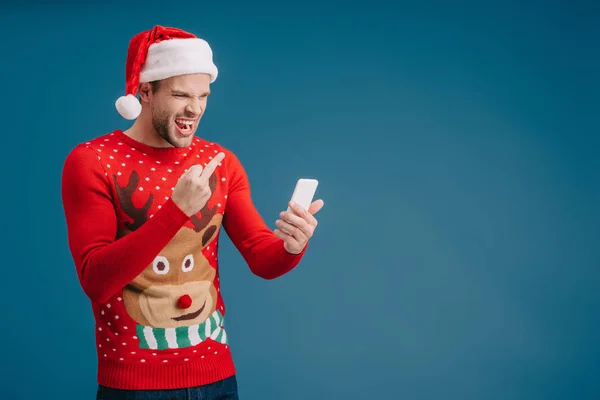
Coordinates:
151 272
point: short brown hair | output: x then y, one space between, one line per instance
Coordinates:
155 86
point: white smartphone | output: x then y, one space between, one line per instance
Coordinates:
304 192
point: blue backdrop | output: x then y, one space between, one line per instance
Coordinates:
456 149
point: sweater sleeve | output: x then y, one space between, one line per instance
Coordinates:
106 265
262 250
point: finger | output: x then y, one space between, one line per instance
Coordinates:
296 220
294 224
291 245
282 235
316 206
292 230
212 165
303 214
194 170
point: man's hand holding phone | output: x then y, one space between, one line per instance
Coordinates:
297 225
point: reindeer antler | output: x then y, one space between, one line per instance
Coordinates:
125 194
206 213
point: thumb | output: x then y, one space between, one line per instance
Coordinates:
316 206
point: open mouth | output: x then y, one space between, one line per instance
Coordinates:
185 126
189 316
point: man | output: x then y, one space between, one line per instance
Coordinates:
144 209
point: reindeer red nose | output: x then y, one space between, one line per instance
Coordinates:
184 301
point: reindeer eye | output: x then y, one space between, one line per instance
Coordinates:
161 265
188 263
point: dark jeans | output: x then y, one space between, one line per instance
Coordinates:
222 390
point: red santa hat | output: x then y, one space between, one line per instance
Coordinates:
161 53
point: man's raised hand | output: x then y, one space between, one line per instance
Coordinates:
297 226
192 190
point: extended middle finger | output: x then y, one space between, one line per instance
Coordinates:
212 165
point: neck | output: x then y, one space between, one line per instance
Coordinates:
143 131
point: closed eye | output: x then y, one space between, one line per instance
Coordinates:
186 95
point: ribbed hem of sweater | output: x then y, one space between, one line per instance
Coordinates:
156 374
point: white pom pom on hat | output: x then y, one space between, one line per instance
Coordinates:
161 53
128 106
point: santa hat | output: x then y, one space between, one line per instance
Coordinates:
161 53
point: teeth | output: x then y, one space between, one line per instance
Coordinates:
186 123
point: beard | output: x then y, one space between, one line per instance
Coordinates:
161 122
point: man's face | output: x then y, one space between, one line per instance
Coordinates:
177 106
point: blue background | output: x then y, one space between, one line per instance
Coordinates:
457 255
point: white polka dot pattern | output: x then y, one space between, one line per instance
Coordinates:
158 172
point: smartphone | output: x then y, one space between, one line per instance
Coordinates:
304 192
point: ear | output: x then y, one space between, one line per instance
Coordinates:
145 91
211 231
209 234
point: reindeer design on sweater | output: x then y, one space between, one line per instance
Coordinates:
174 299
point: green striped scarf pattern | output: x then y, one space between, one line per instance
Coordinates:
182 336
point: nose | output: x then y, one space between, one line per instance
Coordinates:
184 301
194 107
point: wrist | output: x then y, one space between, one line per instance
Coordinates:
182 207
294 251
